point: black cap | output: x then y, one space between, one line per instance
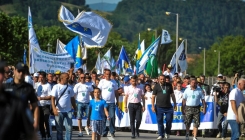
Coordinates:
20 66
187 77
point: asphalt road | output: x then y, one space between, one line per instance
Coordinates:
127 136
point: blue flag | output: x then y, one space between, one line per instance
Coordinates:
123 60
24 56
72 46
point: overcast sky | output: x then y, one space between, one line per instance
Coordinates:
105 1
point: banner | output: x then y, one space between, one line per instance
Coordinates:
149 120
49 62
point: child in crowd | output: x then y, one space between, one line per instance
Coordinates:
98 110
178 96
148 92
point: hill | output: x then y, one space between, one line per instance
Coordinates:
103 6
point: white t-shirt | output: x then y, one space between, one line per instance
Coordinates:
29 80
108 90
148 95
178 95
82 92
45 91
237 95
64 104
168 73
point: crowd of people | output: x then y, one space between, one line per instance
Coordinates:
27 101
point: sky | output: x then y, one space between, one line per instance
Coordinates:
105 1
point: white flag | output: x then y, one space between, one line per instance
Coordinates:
165 37
33 41
182 60
93 28
142 46
97 64
60 47
151 50
106 61
176 55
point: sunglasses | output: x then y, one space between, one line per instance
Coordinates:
20 71
82 77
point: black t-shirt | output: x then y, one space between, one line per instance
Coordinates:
24 90
162 93
223 99
16 121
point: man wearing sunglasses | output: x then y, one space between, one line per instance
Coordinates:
82 92
24 90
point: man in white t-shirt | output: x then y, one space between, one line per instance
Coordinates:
62 110
235 98
82 92
44 97
168 72
109 94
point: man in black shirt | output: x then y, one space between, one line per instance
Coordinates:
222 98
162 92
15 119
24 91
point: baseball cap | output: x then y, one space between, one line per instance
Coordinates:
126 78
20 66
57 72
169 66
220 75
35 74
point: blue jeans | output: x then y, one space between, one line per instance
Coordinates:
222 129
168 111
82 107
111 107
59 120
235 129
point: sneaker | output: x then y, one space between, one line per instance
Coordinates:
177 134
87 130
187 137
194 138
222 138
80 134
167 136
159 138
218 135
112 135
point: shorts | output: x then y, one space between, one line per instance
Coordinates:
82 110
97 126
192 113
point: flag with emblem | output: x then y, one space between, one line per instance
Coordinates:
33 41
182 59
93 28
123 61
139 52
78 62
165 37
151 50
106 60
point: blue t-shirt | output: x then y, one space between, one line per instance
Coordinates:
193 97
97 107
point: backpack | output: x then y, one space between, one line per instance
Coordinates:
241 112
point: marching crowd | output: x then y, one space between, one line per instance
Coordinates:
27 101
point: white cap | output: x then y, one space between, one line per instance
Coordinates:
219 75
36 75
